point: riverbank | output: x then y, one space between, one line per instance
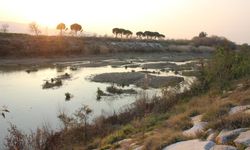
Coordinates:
100 60
27 46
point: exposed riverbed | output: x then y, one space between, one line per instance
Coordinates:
31 105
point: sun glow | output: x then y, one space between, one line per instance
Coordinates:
90 13
174 18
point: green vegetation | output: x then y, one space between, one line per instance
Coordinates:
100 93
52 83
114 90
68 96
226 65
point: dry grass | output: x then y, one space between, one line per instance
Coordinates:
179 122
163 138
240 120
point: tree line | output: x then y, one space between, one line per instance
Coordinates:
139 34
75 28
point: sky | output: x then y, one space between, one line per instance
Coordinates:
178 19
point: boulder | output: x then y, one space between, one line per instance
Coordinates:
125 144
243 139
238 109
211 136
197 127
247 148
138 148
223 147
191 145
226 136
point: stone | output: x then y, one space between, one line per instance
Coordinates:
191 145
223 147
247 148
138 148
211 137
197 127
226 136
238 109
125 144
243 139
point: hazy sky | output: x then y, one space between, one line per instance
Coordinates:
174 18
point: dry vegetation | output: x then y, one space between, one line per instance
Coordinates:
22 45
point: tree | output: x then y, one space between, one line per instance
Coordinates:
127 33
139 34
34 28
146 34
161 36
156 35
76 27
5 28
122 32
202 35
149 34
61 27
116 31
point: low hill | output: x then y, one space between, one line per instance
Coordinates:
23 45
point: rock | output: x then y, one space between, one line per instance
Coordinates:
197 127
211 137
243 139
137 78
125 144
191 145
138 148
247 148
196 119
228 136
223 147
239 109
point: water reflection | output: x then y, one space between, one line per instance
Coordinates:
31 105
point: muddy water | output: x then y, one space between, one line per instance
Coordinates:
31 106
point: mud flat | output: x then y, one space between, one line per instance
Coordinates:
137 78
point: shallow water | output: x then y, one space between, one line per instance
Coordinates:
31 106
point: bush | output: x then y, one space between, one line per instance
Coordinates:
157 142
115 137
225 66
216 112
240 120
179 122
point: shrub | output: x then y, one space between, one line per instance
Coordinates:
179 122
40 139
112 138
216 112
240 120
226 66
